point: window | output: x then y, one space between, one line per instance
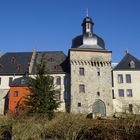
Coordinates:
128 78
18 67
98 71
81 71
13 60
10 80
66 97
130 108
120 78
1 67
79 104
121 92
98 93
0 80
58 67
58 80
132 64
129 93
22 81
82 88
51 59
15 93
65 80
88 25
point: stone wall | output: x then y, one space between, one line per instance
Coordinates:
92 62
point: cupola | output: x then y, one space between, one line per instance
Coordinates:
87 26
88 39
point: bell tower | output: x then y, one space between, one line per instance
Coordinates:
90 73
87 26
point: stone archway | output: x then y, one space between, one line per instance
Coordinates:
99 108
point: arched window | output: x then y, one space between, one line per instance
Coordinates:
58 80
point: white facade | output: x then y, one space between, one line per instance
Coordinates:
129 102
62 87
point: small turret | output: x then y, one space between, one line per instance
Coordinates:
87 26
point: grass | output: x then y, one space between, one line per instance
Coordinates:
72 127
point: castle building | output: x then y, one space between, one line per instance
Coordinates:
126 82
15 65
85 80
90 73
12 66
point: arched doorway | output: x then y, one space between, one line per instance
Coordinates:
99 107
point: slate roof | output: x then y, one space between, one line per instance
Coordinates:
56 61
17 63
14 63
78 42
124 64
21 82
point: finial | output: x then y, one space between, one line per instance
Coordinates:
34 49
87 12
126 51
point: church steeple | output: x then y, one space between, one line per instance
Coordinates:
87 26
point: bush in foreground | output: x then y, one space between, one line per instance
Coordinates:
74 127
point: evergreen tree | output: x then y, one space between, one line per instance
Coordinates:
42 98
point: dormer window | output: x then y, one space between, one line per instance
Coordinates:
58 67
13 60
1 67
132 64
18 67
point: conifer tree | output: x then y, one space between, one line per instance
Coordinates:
42 98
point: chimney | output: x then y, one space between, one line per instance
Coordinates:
32 60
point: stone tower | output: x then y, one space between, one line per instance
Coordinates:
90 70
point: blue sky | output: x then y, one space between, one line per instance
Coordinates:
50 25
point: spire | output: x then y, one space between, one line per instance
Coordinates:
126 51
87 12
